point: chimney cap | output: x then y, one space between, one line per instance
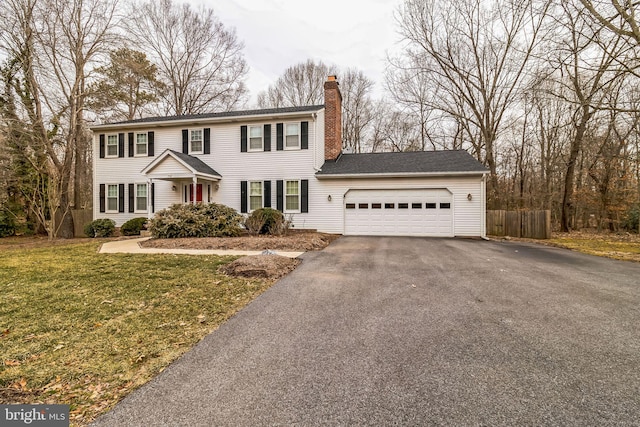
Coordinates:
332 78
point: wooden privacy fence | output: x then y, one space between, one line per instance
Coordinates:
81 217
529 224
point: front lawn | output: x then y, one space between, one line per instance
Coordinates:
622 246
85 329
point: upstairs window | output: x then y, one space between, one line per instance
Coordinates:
196 141
141 144
255 195
255 138
112 145
292 136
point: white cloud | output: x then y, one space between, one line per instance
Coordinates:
281 33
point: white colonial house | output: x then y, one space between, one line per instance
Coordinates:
289 159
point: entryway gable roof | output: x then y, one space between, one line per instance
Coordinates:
192 164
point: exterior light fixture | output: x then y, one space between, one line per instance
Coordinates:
329 197
173 188
469 197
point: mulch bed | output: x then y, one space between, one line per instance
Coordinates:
294 241
261 266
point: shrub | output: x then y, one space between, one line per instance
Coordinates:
266 221
7 224
200 220
632 218
100 228
133 226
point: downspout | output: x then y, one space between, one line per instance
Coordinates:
149 189
483 228
315 138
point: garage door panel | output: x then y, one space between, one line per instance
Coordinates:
400 212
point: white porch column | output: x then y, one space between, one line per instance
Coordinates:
195 189
149 184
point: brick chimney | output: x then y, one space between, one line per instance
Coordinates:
332 119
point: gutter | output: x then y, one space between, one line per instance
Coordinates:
202 120
400 175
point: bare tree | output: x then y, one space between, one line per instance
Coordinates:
477 53
619 16
51 45
198 59
301 84
357 109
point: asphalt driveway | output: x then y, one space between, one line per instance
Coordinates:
416 331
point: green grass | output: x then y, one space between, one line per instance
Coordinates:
85 329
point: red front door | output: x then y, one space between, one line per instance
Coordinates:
198 193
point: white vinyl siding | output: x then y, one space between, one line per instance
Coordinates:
141 144
255 195
112 198
255 138
112 146
141 197
291 136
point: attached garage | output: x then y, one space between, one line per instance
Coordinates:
429 193
399 212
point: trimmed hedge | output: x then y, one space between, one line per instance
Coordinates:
133 227
100 228
265 221
199 220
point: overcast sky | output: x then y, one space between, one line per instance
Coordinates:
281 33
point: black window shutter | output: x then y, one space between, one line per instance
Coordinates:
121 145
150 137
102 145
267 137
267 194
280 195
120 198
304 135
153 197
102 197
243 196
132 199
185 141
304 197
207 140
131 153
243 139
279 136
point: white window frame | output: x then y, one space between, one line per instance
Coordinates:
107 145
261 185
296 147
249 148
107 197
146 144
191 150
286 194
146 198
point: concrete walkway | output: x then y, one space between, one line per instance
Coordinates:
132 246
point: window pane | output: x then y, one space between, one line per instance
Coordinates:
112 191
430 205
255 202
141 203
291 135
292 203
292 187
256 189
112 204
351 205
141 143
255 143
255 132
196 140
141 190
112 145
445 205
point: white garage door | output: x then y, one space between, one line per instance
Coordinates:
426 212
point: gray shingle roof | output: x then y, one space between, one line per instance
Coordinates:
420 162
269 111
197 164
